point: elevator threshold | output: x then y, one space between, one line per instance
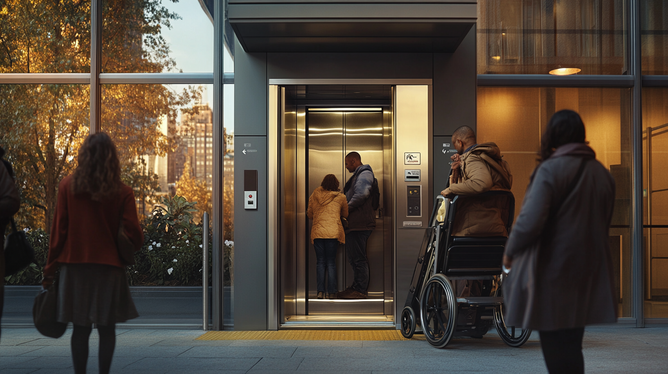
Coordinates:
353 322
364 307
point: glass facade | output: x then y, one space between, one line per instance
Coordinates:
44 37
537 36
515 118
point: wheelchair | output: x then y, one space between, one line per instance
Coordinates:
445 258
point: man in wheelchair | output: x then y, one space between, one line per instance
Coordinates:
477 168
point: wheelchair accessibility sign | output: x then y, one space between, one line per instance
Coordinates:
411 158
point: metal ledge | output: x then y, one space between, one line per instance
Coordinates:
113 78
655 81
546 80
45 78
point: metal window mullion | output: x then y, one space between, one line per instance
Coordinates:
95 65
217 256
637 269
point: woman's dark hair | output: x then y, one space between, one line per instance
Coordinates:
99 171
330 183
564 127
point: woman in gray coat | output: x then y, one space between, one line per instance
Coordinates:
561 278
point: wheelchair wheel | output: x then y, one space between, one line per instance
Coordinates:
511 335
407 322
438 311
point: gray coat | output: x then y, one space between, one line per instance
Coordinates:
358 190
561 276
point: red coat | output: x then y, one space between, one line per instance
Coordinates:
85 231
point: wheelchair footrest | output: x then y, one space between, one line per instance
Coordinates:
481 300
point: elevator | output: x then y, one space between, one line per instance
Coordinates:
317 126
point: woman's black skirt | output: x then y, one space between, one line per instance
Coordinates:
94 293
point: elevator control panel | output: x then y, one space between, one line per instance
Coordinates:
250 189
412 175
414 201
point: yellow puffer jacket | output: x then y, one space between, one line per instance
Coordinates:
326 208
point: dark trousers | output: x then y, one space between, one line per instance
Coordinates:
356 252
562 350
325 254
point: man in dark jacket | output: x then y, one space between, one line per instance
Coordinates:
9 205
361 222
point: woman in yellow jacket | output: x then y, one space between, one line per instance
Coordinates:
326 206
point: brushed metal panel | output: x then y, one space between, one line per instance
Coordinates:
325 156
364 134
288 196
412 134
273 243
387 207
302 234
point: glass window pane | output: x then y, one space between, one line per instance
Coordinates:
165 142
45 36
654 36
156 37
655 196
537 36
515 119
41 130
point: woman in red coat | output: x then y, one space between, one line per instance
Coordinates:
93 287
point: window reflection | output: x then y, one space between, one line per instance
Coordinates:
42 128
655 198
654 36
537 36
156 37
515 119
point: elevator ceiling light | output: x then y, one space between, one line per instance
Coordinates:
345 109
565 71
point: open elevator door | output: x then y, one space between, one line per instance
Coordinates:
319 125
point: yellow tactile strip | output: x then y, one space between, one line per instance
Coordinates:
381 335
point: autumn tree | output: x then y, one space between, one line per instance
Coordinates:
194 190
43 126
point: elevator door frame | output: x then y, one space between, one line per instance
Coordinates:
274 299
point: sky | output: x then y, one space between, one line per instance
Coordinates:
191 44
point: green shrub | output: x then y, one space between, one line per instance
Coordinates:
172 250
171 254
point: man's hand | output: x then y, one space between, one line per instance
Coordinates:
507 262
456 161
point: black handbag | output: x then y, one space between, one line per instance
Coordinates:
45 313
18 251
126 250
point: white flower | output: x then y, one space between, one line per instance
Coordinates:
153 243
187 241
201 246
158 245
175 260
173 247
170 270
150 247
229 243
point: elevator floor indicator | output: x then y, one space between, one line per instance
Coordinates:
378 335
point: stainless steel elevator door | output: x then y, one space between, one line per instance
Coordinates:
331 135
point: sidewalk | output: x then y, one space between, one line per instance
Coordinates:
608 349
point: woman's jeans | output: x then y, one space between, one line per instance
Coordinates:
325 253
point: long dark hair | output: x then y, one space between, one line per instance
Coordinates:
564 127
99 171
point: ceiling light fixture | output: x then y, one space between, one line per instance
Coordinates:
565 71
